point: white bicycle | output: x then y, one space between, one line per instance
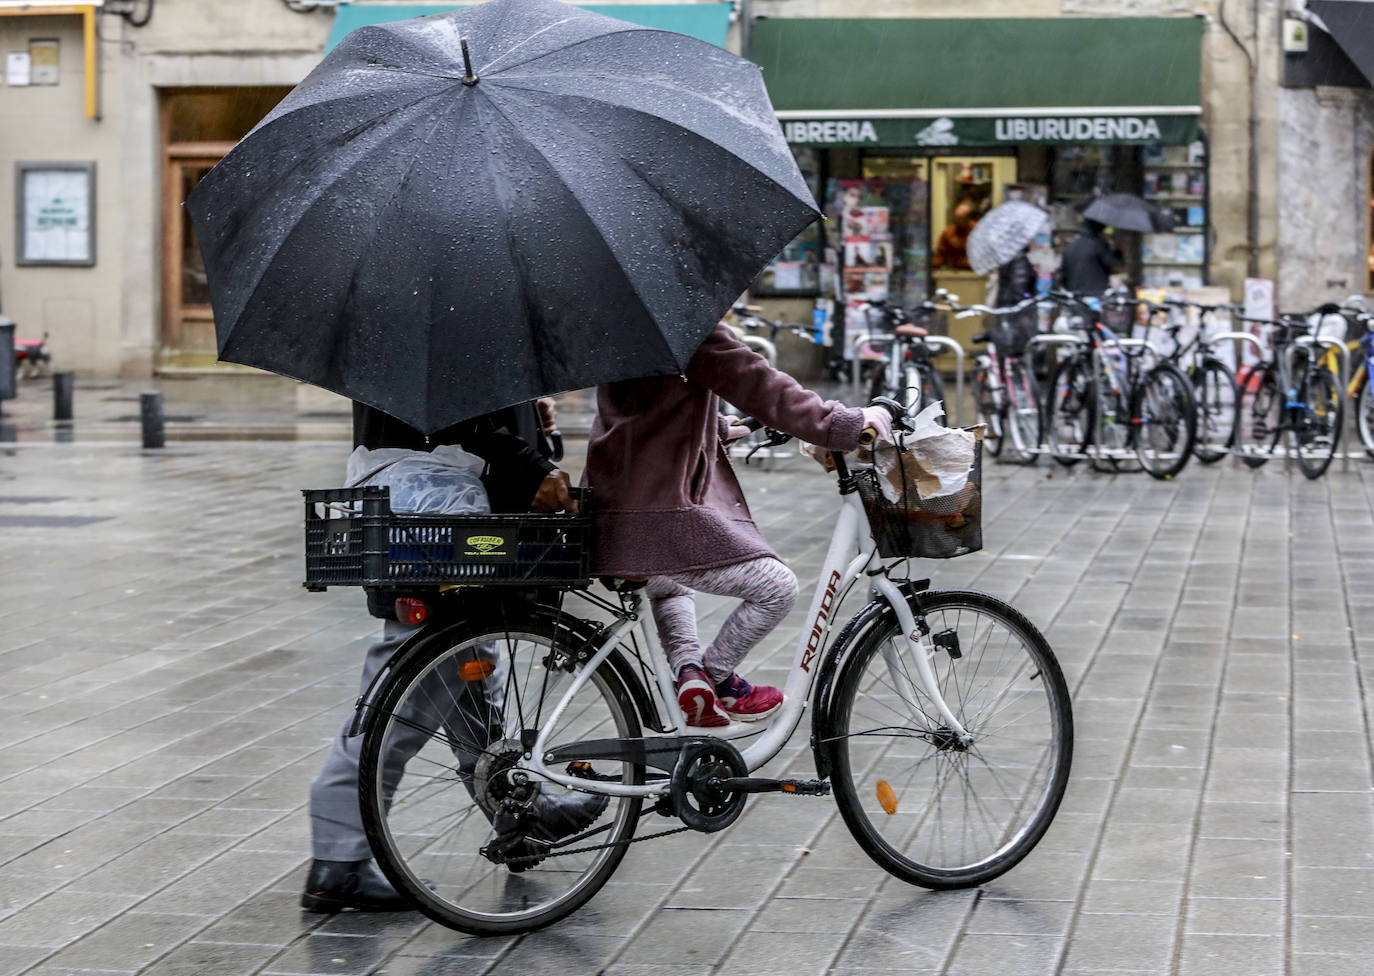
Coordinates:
940 718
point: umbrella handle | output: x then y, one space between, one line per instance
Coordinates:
553 440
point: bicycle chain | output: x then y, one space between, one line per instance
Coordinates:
595 847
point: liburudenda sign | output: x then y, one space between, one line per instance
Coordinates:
990 130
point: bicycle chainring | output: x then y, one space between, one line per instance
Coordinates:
698 803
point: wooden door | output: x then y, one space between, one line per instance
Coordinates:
188 328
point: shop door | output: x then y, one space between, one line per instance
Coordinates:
199 126
188 331
962 189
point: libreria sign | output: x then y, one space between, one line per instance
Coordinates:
900 129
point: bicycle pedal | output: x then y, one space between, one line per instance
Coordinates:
796 787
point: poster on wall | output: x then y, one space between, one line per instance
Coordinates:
56 219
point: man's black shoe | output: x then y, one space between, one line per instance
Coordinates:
556 817
336 885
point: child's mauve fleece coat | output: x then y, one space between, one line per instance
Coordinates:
665 498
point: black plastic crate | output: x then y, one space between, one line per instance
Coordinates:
353 539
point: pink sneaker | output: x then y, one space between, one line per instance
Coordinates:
698 699
746 702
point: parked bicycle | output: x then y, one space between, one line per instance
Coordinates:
1292 394
1112 399
1361 350
897 361
1006 394
940 717
1215 391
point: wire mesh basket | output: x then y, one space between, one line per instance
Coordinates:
929 528
352 538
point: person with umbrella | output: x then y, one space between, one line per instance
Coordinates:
1001 240
469 210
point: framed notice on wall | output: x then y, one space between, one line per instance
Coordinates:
55 214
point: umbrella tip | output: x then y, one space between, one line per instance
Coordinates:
469 78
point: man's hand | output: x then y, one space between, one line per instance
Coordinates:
553 494
548 414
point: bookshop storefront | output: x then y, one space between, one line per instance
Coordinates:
905 155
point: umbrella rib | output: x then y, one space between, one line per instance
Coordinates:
628 28
353 274
515 130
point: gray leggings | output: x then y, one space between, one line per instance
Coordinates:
767 588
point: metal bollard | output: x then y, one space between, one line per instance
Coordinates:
62 387
150 415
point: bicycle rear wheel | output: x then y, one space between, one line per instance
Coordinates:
1260 417
1069 416
1318 430
926 807
1218 400
441 771
1164 418
1022 410
989 407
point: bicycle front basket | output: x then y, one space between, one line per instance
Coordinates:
929 528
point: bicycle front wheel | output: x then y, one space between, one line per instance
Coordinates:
1164 421
1364 416
1318 430
928 808
442 775
1214 386
1260 418
1069 418
1022 410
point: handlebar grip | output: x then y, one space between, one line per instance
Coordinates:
868 437
750 423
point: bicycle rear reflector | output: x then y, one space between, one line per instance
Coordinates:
410 610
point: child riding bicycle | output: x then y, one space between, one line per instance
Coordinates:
670 511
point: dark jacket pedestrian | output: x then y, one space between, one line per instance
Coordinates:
1015 282
1089 261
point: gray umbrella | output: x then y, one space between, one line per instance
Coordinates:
439 235
1002 233
1126 211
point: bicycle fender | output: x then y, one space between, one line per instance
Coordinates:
365 714
873 614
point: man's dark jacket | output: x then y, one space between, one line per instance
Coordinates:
1087 264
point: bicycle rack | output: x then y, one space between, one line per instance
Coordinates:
944 342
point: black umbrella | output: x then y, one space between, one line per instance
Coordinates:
438 236
1126 211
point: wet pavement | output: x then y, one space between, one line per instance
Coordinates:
168 690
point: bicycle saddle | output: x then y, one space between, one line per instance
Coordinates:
907 329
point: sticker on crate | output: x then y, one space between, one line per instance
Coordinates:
486 545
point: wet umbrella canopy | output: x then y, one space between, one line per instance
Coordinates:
1003 232
577 202
1126 211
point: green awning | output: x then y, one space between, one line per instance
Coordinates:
707 21
982 82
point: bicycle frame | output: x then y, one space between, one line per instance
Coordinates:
850 553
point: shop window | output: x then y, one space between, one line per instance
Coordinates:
1175 180
797 270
